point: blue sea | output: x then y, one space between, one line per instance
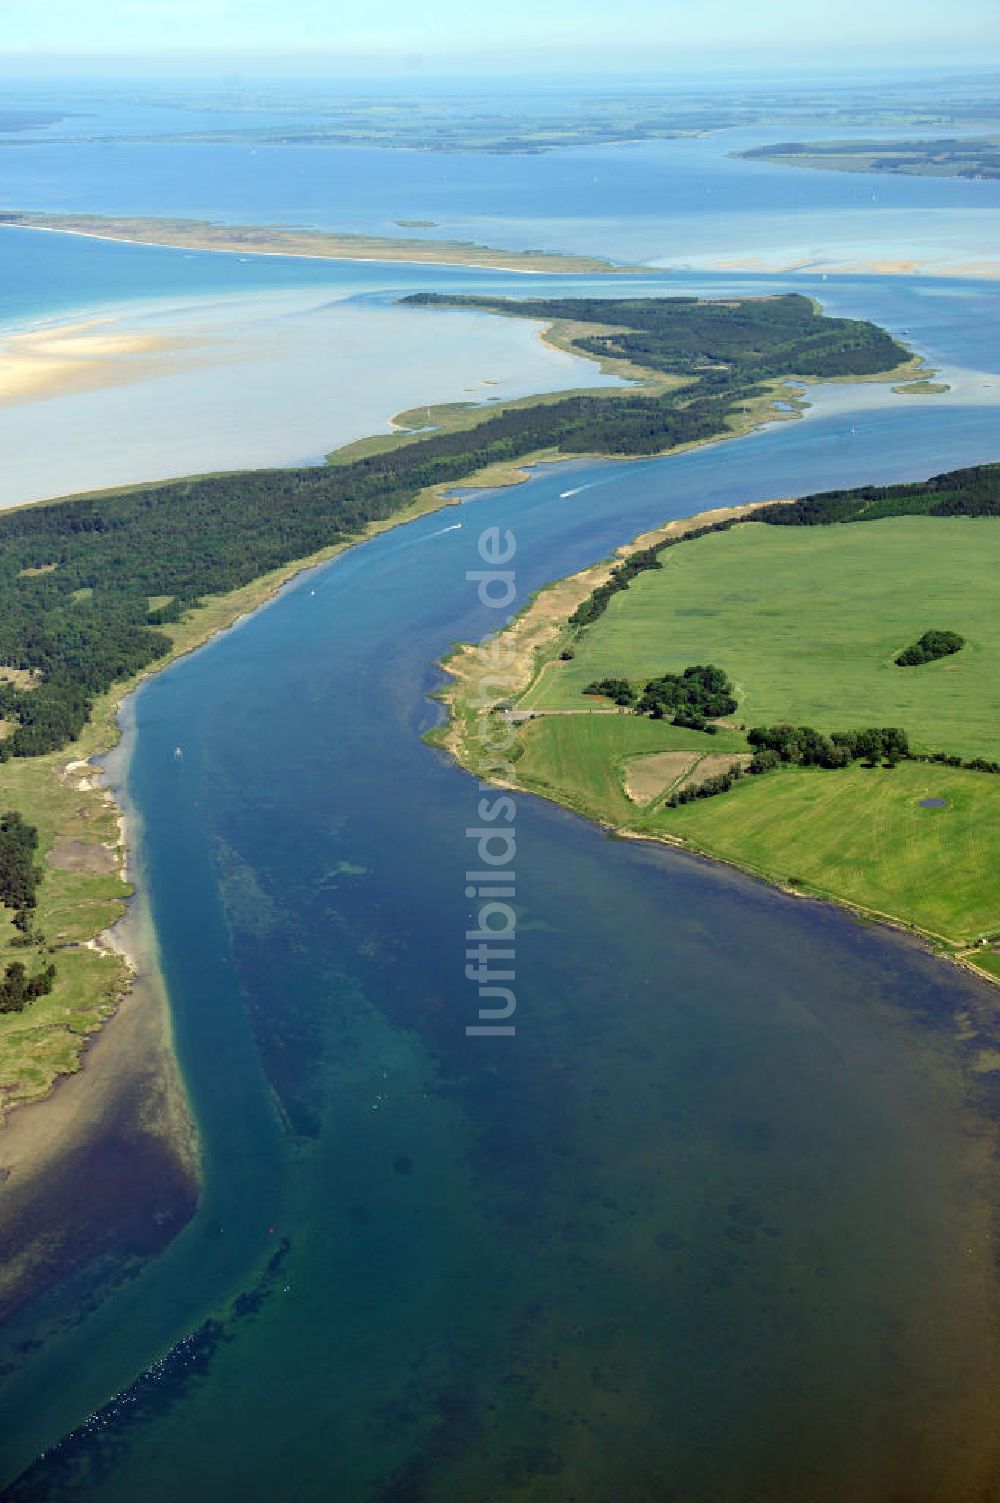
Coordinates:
711 1225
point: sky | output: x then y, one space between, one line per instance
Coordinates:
485 36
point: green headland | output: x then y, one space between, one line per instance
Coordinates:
859 762
975 157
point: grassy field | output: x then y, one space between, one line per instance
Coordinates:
582 760
861 835
807 622
73 905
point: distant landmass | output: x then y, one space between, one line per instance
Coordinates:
946 157
21 120
579 116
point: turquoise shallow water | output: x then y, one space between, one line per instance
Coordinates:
701 1225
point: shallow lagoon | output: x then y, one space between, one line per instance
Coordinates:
265 379
281 359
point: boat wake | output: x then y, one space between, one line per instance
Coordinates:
576 490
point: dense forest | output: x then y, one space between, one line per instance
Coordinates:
78 578
19 876
719 344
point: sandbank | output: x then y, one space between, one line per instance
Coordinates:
81 356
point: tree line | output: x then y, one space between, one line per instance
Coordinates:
801 746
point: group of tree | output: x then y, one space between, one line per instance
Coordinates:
618 690
929 647
802 746
17 988
19 875
720 782
700 693
692 698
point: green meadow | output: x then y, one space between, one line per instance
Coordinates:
862 835
75 902
807 622
583 760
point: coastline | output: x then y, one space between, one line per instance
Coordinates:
202 236
123 1078
130 935
530 639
